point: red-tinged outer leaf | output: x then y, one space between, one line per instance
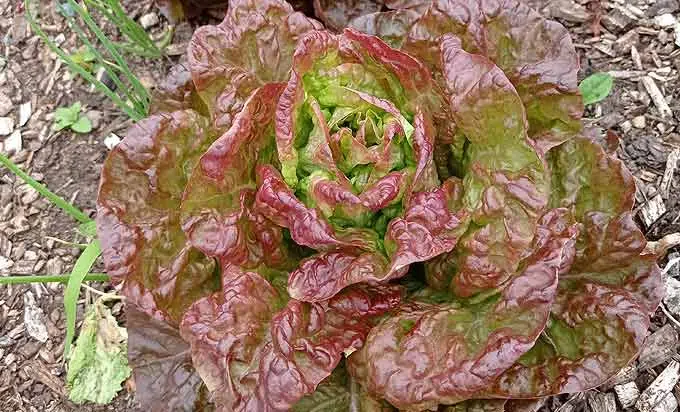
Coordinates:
585 178
605 298
605 246
337 14
253 46
599 330
224 331
252 357
175 92
391 26
536 54
600 317
428 228
165 379
138 215
325 274
506 187
432 354
218 213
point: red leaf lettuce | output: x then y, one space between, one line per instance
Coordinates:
317 220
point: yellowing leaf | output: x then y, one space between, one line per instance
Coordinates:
98 364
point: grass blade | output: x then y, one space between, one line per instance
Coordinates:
132 112
80 270
58 201
73 25
111 48
18 280
139 38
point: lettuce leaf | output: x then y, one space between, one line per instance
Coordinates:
257 351
138 219
317 220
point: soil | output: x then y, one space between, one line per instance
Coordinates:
32 232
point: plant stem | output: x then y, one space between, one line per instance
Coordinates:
73 211
104 295
13 280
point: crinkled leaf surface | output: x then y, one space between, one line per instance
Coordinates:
599 319
255 351
98 365
357 177
432 352
217 209
138 221
253 46
391 26
536 54
333 394
176 92
586 179
604 300
290 171
506 185
336 14
165 378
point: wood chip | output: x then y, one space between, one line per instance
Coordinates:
658 78
618 19
659 347
625 43
34 318
639 122
6 126
668 404
626 126
635 55
671 165
602 402
25 112
657 97
569 11
627 394
662 246
665 20
652 210
627 74
13 143
37 370
659 389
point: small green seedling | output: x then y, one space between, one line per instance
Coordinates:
72 118
84 58
596 87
